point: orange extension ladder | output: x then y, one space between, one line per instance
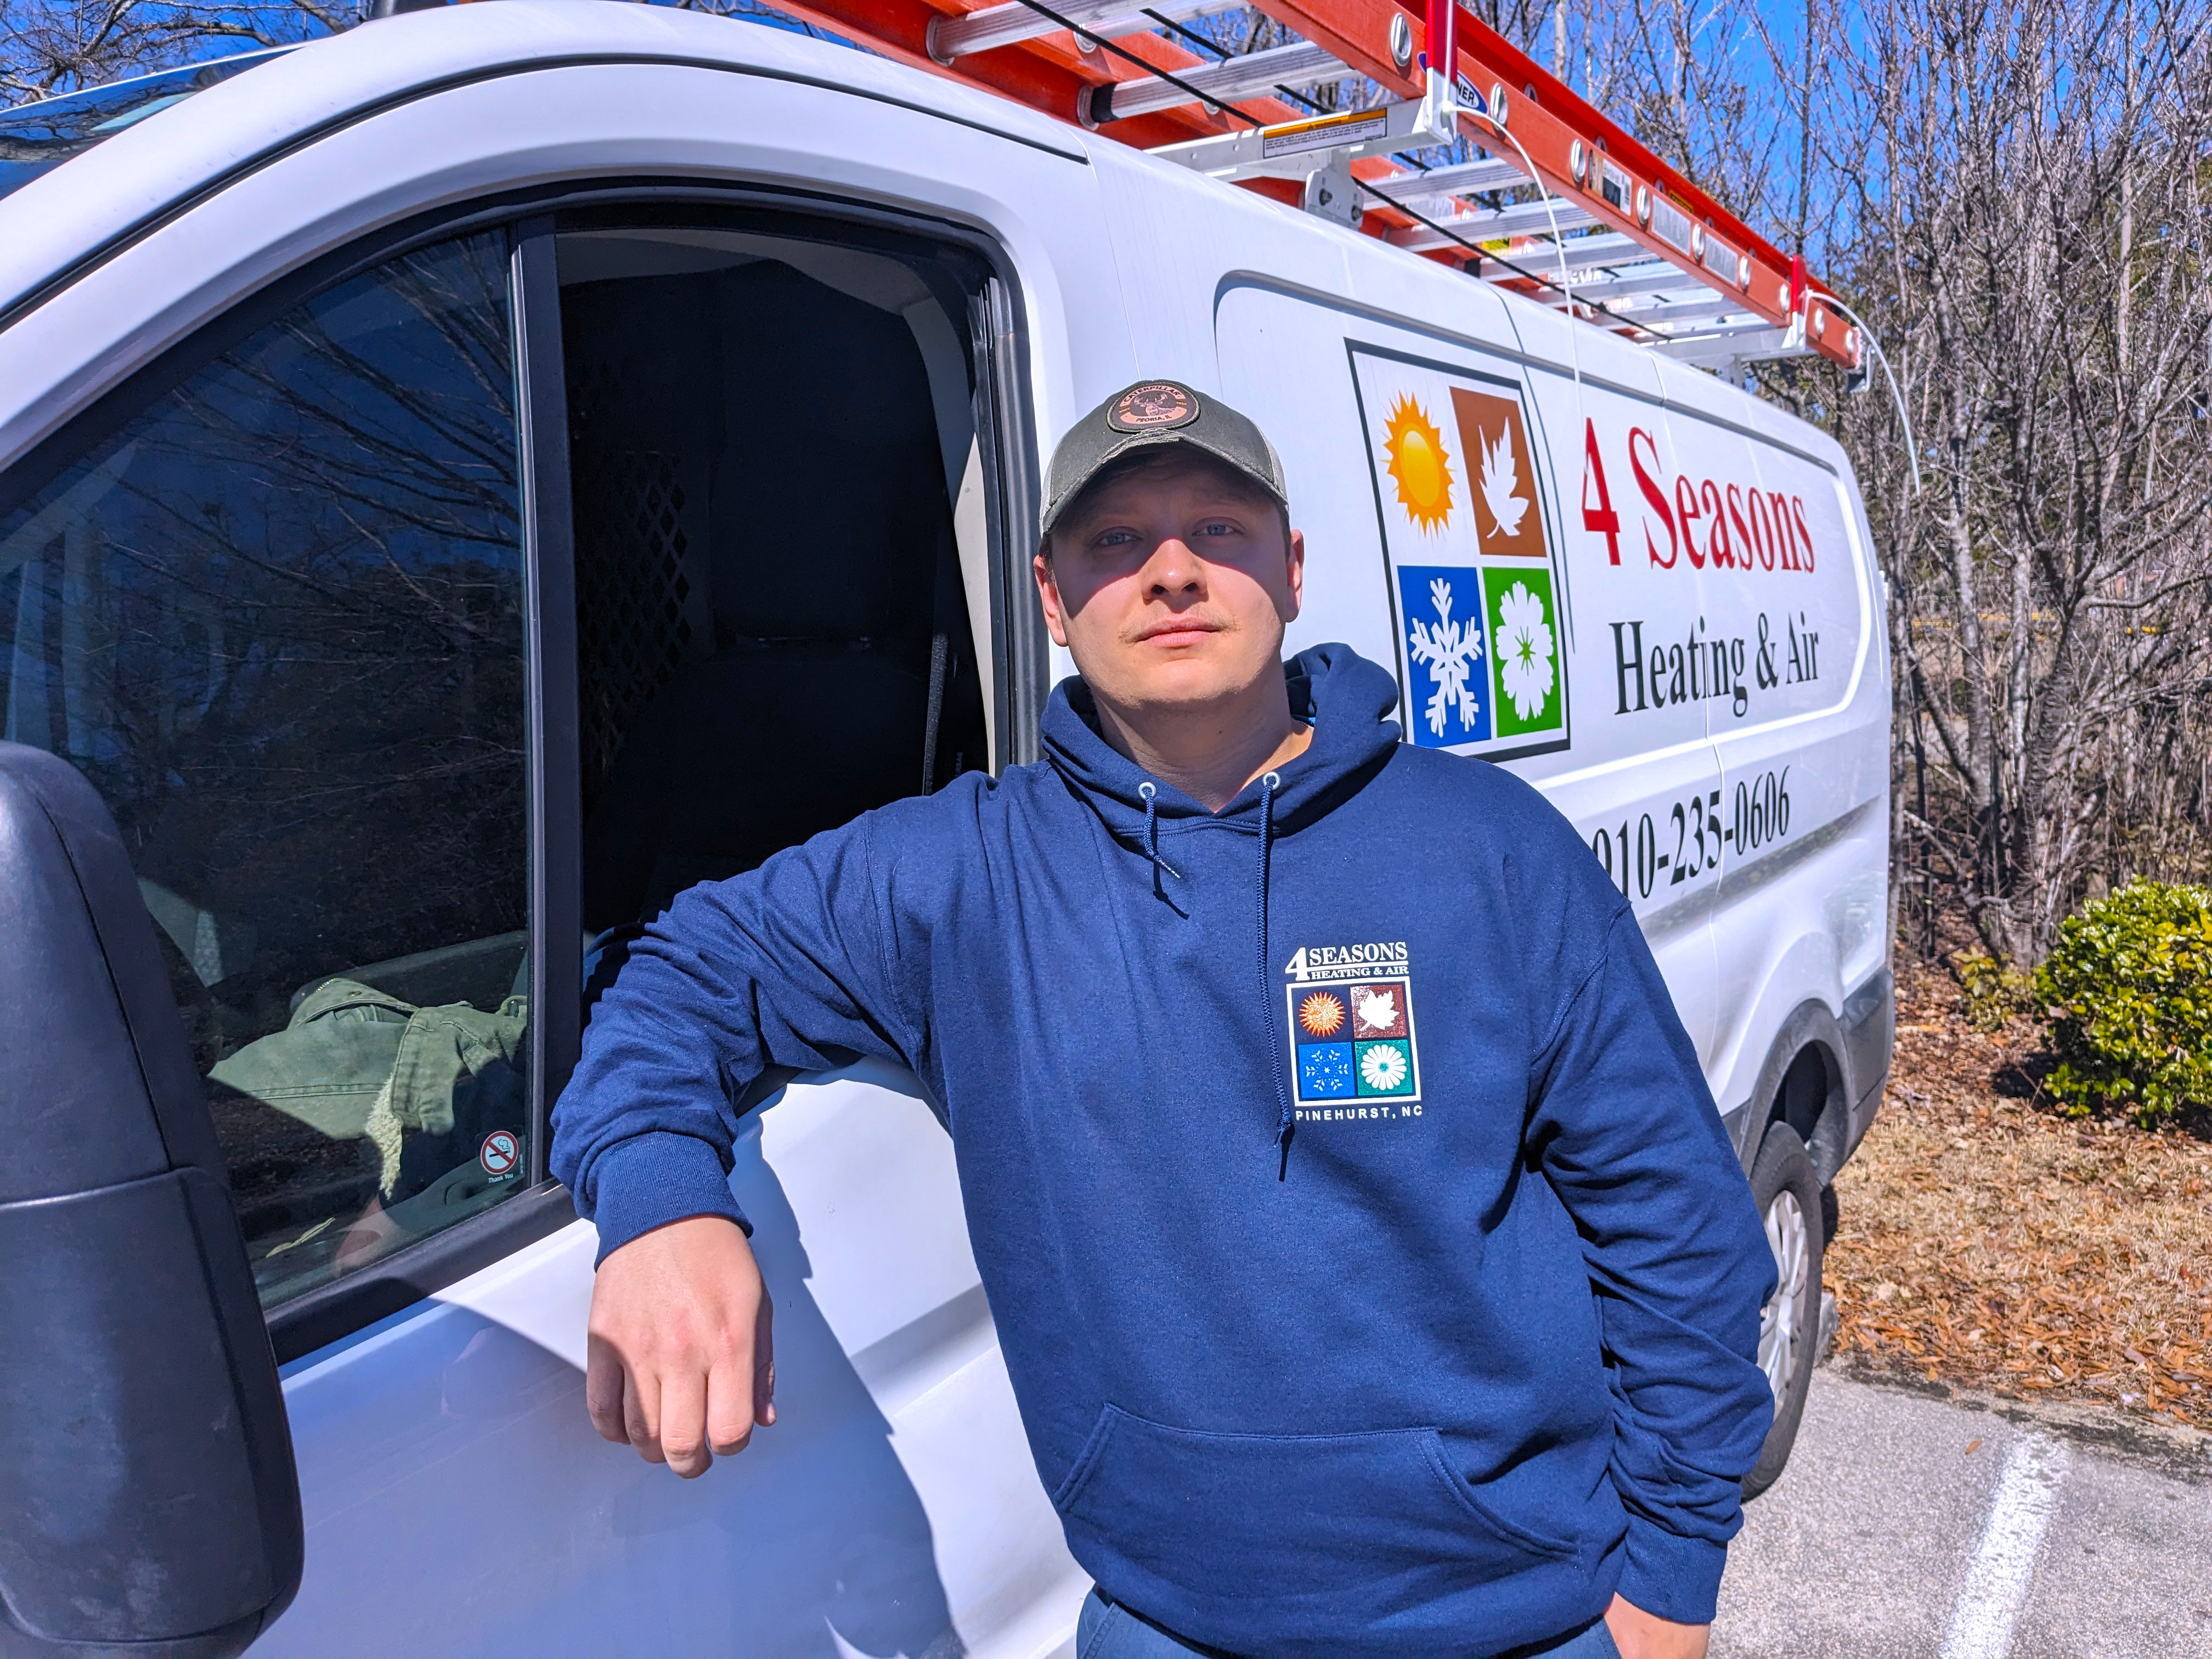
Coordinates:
1615 236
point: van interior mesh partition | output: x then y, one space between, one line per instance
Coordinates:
767 438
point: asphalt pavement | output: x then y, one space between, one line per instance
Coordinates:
1911 1526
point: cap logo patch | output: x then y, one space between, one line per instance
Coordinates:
1151 407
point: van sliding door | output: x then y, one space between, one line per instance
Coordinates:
1487 546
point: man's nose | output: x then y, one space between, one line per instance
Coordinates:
1174 570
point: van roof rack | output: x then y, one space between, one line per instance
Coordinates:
1615 236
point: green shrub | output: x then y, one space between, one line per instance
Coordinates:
2127 990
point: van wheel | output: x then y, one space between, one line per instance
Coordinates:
1788 1192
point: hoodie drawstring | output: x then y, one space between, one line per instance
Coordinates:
1285 1125
1150 792
1285 1122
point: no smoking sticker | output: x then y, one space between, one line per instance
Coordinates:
501 1151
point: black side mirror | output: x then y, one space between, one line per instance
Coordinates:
149 1493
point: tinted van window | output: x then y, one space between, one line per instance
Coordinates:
276 618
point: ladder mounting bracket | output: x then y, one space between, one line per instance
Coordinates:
1292 149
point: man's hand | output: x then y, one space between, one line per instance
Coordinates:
1640 1635
681 1366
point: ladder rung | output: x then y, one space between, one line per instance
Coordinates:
1224 83
951 38
1489 225
1585 253
1670 315
1665 280
1292 149
1464 179
1737 346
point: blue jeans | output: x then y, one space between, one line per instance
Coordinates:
1106 1631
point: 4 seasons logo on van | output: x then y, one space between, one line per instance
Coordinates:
1461 500
1717 571
1712 522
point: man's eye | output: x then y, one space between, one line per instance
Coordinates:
1217 527
1114 538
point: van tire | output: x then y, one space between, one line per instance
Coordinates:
1788 1191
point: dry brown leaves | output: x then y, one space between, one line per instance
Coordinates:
1985 1241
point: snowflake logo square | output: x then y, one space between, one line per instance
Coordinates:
1448 673
1325 1071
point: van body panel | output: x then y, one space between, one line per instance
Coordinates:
1821 871
448 1451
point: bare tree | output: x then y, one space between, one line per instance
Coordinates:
53 47
2025 191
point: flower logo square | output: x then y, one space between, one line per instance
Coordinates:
1385 1068
1525 656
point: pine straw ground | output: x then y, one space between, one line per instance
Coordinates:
1986 1242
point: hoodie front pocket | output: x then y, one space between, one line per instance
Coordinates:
1274 1516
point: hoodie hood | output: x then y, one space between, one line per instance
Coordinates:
1348 700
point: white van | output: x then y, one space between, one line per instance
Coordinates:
462 482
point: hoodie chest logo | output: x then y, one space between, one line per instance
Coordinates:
1353 1053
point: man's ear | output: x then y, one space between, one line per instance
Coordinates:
1294 573
1056 621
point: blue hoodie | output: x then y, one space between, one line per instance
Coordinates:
1434 1373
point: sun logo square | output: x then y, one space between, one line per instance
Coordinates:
1418 464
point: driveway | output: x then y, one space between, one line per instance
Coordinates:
1915 1527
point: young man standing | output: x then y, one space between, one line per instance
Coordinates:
1465 1368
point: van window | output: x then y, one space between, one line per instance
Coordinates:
277 618
775 611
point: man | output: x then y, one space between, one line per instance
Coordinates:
1462 1368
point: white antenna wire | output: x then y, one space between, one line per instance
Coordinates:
1574 329
1558 242
1911 449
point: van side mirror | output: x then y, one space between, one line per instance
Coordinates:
150 1497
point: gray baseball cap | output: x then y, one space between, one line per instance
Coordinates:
1154 414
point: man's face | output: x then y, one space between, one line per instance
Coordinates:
1171 584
